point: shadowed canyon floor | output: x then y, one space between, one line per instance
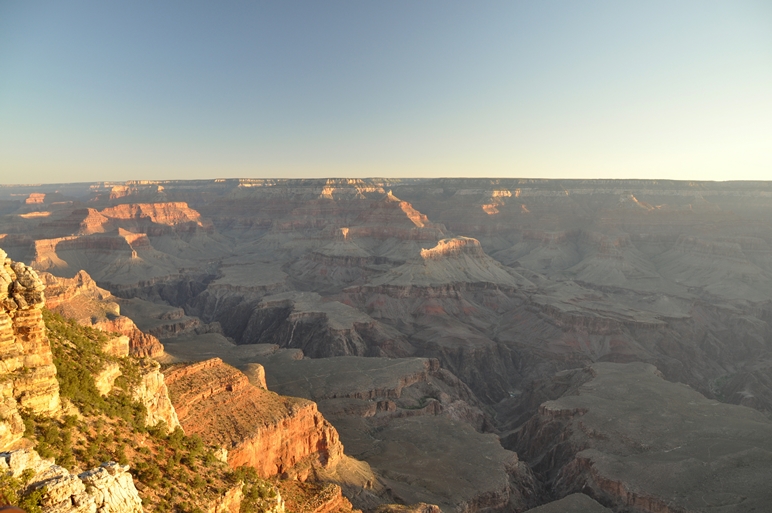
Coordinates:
432 318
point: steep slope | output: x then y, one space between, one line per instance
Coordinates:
274 436
633 440
29 375
217 402
410 421
80 298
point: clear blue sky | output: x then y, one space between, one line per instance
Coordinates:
619 89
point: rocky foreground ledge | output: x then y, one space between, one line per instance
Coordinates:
108 488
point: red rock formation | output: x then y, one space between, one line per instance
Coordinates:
170 214
81 299
453 247
261 429
35 198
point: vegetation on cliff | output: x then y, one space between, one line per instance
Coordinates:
173 472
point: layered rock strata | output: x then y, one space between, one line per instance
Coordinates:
258 428
26 361
634 441
81 299
410 421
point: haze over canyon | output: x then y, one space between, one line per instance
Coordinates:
462 344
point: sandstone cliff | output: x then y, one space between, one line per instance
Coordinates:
258 428
80 298
153 394
29 375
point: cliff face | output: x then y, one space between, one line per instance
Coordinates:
258 428
634 441
81 299
29 375
168 214
152 392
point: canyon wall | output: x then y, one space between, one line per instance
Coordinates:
81 299
29 374
258 428
502 282
633 441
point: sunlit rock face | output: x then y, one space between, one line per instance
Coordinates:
258 428
29 375
152 392
81 299
108 488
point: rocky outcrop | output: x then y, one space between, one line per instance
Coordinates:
105 379
261 429
105 489
177 215
153 393
420 507
315 498
113 489
231 500
26 363
81 299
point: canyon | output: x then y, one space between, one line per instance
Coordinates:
558 337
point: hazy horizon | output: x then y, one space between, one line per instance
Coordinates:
142 91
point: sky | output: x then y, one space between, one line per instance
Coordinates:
108 91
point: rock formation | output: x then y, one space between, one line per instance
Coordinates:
81 299
502 282
630 439
29 375
258 428
153 394
106 489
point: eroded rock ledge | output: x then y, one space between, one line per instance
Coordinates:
258 428
108 488
81 299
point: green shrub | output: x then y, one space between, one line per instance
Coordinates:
78 357
12 490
